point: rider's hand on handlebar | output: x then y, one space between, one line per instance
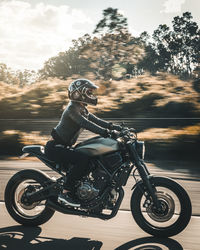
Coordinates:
114 134
132 130
129 129
125 129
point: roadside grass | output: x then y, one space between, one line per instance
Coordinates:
159 96
145 95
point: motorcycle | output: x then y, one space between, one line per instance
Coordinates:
159 205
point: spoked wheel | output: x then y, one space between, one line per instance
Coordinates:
174 212
19 187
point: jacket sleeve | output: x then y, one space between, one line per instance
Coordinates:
98 121
103 123
89 125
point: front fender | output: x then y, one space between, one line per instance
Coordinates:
140 183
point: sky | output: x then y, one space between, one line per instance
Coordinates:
32 31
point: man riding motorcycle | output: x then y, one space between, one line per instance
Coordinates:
74 119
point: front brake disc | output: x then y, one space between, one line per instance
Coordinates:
167 208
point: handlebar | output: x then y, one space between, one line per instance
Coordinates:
125 133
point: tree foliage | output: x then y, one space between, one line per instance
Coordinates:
177 50
67 63
98 55
112 22
19 77
114 52
115 49
110 50
173 50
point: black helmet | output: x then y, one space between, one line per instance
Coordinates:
80 90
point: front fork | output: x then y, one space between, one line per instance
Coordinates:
145 176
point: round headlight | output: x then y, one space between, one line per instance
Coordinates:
140 147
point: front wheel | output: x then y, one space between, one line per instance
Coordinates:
18 188
175 204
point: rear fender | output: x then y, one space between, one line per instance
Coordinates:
24 155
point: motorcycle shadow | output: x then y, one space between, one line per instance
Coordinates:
23 238
151 243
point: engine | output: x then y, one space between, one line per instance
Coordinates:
86 191
93 185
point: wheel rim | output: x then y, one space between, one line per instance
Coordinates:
25 209
167 208
170 209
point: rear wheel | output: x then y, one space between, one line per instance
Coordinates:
17 190
175 208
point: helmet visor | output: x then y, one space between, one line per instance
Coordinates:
91 93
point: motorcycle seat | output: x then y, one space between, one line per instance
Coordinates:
37 150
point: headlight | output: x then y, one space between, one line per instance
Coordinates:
140 148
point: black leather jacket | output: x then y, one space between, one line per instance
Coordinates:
74 119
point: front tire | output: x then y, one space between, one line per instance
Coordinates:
175 203
26 214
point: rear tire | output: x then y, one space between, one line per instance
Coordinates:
20 212
153 222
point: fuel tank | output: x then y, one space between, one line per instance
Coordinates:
97 146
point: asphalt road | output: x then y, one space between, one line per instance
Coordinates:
121 232
65 232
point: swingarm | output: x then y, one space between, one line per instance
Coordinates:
31 194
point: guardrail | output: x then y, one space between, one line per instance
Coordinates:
46 125
14 133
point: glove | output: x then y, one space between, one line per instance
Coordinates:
132 130
125 128
114 134
115 127
106 133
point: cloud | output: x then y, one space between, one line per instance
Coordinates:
30 34
172 6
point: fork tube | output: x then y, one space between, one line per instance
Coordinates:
144 173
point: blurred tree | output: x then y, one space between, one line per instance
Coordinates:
160 46
26 77
3 72
150 61
115 51
197 70
7 75
185 43
67 63
177 50
102 56
110 50
18 77
112 22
